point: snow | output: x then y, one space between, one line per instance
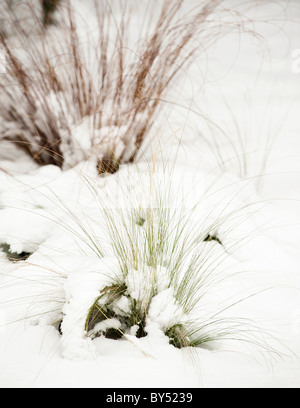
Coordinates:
164 312
228 189
81 290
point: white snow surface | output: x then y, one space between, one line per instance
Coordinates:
242 187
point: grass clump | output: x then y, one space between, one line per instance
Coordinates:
81 92
163 272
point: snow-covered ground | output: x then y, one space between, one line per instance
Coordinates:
244 184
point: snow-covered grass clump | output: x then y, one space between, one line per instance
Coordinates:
141 264
87 85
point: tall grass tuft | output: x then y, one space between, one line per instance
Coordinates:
168 264
73 90
168 261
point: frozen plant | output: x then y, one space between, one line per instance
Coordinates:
156 267
91 87
143 270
